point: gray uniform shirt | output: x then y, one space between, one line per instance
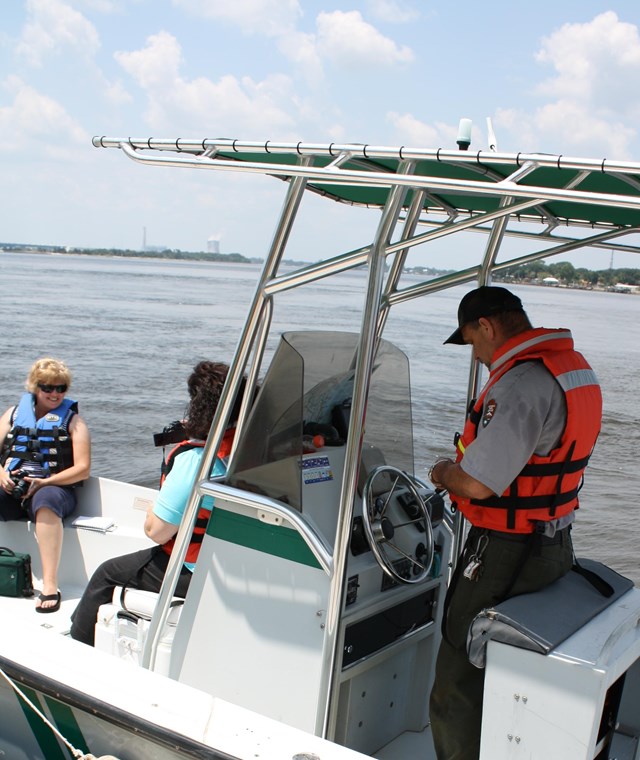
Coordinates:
524 413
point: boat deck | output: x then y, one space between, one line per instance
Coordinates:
82 549
22 611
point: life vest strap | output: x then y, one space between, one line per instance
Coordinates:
180 448
554 468
54 432
30 456
546 501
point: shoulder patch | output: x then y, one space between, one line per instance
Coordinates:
489 410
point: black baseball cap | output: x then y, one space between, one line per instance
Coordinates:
483 302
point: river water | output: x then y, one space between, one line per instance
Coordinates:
132 329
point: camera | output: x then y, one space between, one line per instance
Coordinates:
20 485
174 432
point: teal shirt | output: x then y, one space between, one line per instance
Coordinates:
174 494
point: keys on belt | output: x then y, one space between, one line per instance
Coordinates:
475 566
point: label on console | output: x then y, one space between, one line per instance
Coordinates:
316 470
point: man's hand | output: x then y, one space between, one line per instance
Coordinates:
448 475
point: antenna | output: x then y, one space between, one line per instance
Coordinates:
464 134
493 142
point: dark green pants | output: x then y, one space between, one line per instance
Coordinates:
511 565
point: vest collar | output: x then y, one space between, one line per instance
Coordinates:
531 340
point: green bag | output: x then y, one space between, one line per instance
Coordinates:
15 573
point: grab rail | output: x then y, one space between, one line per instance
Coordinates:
313 540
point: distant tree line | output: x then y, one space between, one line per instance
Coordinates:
167 253
563 271
567 274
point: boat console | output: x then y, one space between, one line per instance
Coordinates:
260 599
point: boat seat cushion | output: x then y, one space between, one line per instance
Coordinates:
542 620
143 603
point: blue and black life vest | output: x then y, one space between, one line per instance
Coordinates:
40 446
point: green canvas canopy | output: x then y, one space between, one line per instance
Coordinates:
597 193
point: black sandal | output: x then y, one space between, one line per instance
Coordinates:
49 598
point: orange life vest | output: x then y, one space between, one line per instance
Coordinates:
547 487
202 518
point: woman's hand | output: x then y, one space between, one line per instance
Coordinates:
5 481
35 484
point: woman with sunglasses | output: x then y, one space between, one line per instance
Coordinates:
46 451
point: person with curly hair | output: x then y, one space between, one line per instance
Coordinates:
145 569
46 452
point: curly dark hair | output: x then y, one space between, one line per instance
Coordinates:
205 386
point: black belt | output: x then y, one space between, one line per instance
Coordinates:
541 539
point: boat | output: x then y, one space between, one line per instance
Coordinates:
312 622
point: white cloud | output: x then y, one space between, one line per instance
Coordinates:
591 58
343 40
301 49
268 17
34 119
565 127
347 39
201 105
155 65
102 6
590 98
413 132
116 93
577 126
393 12
53 26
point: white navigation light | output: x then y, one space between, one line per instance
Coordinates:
464 134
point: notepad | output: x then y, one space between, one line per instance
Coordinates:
97 522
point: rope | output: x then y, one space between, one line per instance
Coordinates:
75 752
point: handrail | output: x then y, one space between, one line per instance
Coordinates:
388 180
364 151
362 377
316 543
253 327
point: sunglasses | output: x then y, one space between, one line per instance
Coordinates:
50 388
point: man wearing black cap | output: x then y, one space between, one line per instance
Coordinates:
518 468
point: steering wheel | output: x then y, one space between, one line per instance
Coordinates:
390 535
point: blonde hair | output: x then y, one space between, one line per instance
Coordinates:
47 371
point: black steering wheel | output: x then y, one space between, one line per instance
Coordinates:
392 535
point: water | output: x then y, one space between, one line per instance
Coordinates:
132 329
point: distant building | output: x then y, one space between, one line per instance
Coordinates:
213 245
551 281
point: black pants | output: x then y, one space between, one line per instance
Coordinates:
512 566
144 570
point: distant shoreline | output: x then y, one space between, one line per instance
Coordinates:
166 253
610 284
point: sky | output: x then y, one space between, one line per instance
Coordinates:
557 77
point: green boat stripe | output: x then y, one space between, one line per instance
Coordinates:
67 724
47 740
261 536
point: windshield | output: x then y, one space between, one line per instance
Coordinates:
300 420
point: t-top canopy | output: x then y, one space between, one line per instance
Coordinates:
551 189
